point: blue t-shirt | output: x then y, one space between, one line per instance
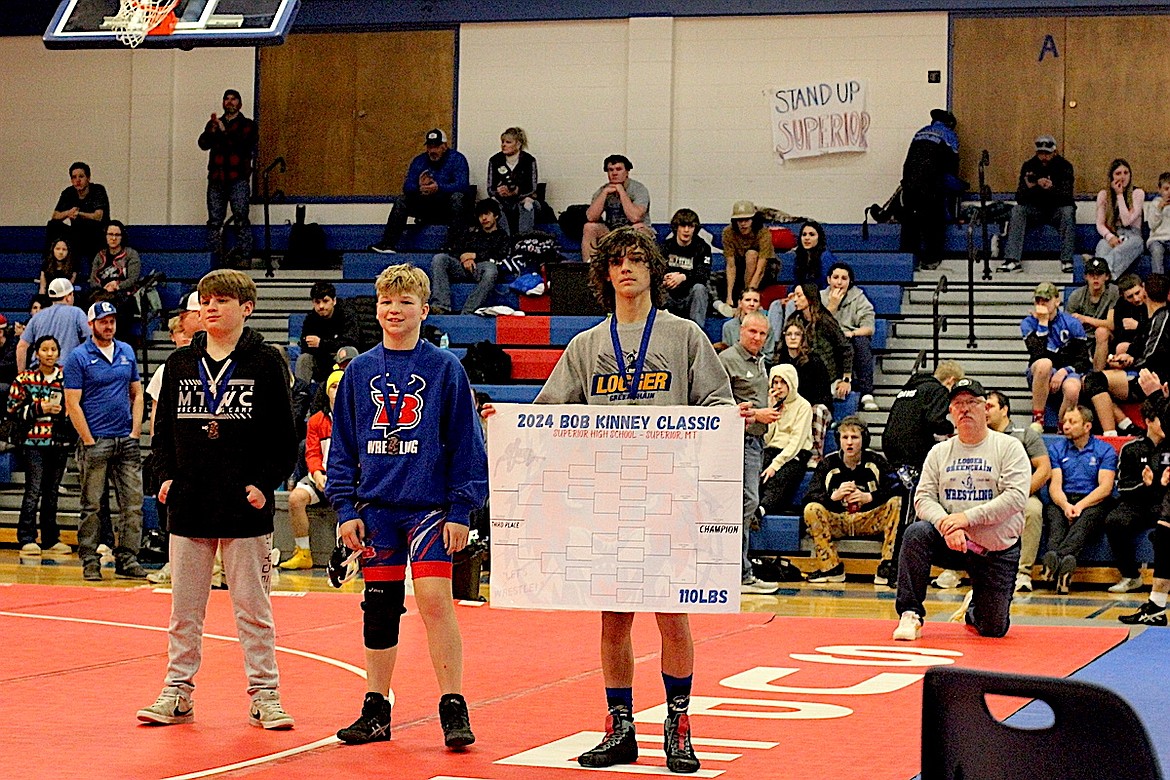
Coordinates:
1078 468
104 386
1060 330
63 322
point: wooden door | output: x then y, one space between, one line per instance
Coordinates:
348 111
1117 98
1007 87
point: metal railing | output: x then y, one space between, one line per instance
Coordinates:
268 195
938 322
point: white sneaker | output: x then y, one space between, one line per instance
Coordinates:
60 548
909 627
756 585
948 580
162 576
868 404
1023 583
30 549
172 707
723 309
960 614
267 713
1126 585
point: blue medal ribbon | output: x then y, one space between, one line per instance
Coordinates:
392 414
635 377
214 400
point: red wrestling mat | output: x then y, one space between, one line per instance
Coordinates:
79 662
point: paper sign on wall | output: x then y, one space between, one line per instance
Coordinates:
828 117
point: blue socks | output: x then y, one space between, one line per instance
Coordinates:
678 693
620 699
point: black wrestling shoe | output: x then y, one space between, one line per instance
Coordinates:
341 567
1150 614
456 725
620 745
680 756
372 726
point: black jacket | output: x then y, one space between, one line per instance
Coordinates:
337 331
1133 458
256 442
918 414
1059 170
872 475
495 246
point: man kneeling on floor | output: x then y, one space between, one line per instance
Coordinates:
851 495
970 504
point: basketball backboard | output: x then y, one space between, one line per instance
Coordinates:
86 24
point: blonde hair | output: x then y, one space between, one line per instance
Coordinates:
403 278
949 369
174 325
517 134
229 283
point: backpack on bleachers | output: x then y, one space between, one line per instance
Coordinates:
365 309
487 363
530 252
572 221
307 248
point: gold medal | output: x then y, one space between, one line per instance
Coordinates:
213 430
393 445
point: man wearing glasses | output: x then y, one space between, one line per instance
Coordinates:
970 504
1057 353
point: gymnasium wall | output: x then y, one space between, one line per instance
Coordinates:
684 98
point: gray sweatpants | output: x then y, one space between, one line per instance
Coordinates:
248 571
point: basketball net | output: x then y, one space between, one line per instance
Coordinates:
138 18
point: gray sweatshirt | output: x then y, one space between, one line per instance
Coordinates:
681 367
855 310
988 481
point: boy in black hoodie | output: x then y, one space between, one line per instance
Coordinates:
225 440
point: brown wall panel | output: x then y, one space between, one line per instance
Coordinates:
348 111
1003 94
1119 81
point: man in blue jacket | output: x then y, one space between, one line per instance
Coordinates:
434 191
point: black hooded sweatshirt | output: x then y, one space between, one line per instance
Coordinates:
919 413
251 439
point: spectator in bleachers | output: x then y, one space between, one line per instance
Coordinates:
87 207
1058 352
1119 219
1044 196
1139 469
918 416
1129 319
230 141
1158 217
787 442
999 418
688 267
63 321
815 386
328 327
1153 611
929 177
36 400
39 302
189 317
811 254
115 270
58 264
1138 372
851 494
744 364
473 255
1084 468
825 338
854 313
8 368
311 490
749 302
970 501
512 180
433 192
103 395
621 202
1091 304
747 251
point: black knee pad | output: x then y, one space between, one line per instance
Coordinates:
1094 384
1161 551
384 605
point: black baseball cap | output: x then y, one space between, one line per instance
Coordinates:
967 386
1097 265
436 137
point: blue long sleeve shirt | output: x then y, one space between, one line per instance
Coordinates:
432 457
450 172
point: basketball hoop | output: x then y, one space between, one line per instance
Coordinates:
138 18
